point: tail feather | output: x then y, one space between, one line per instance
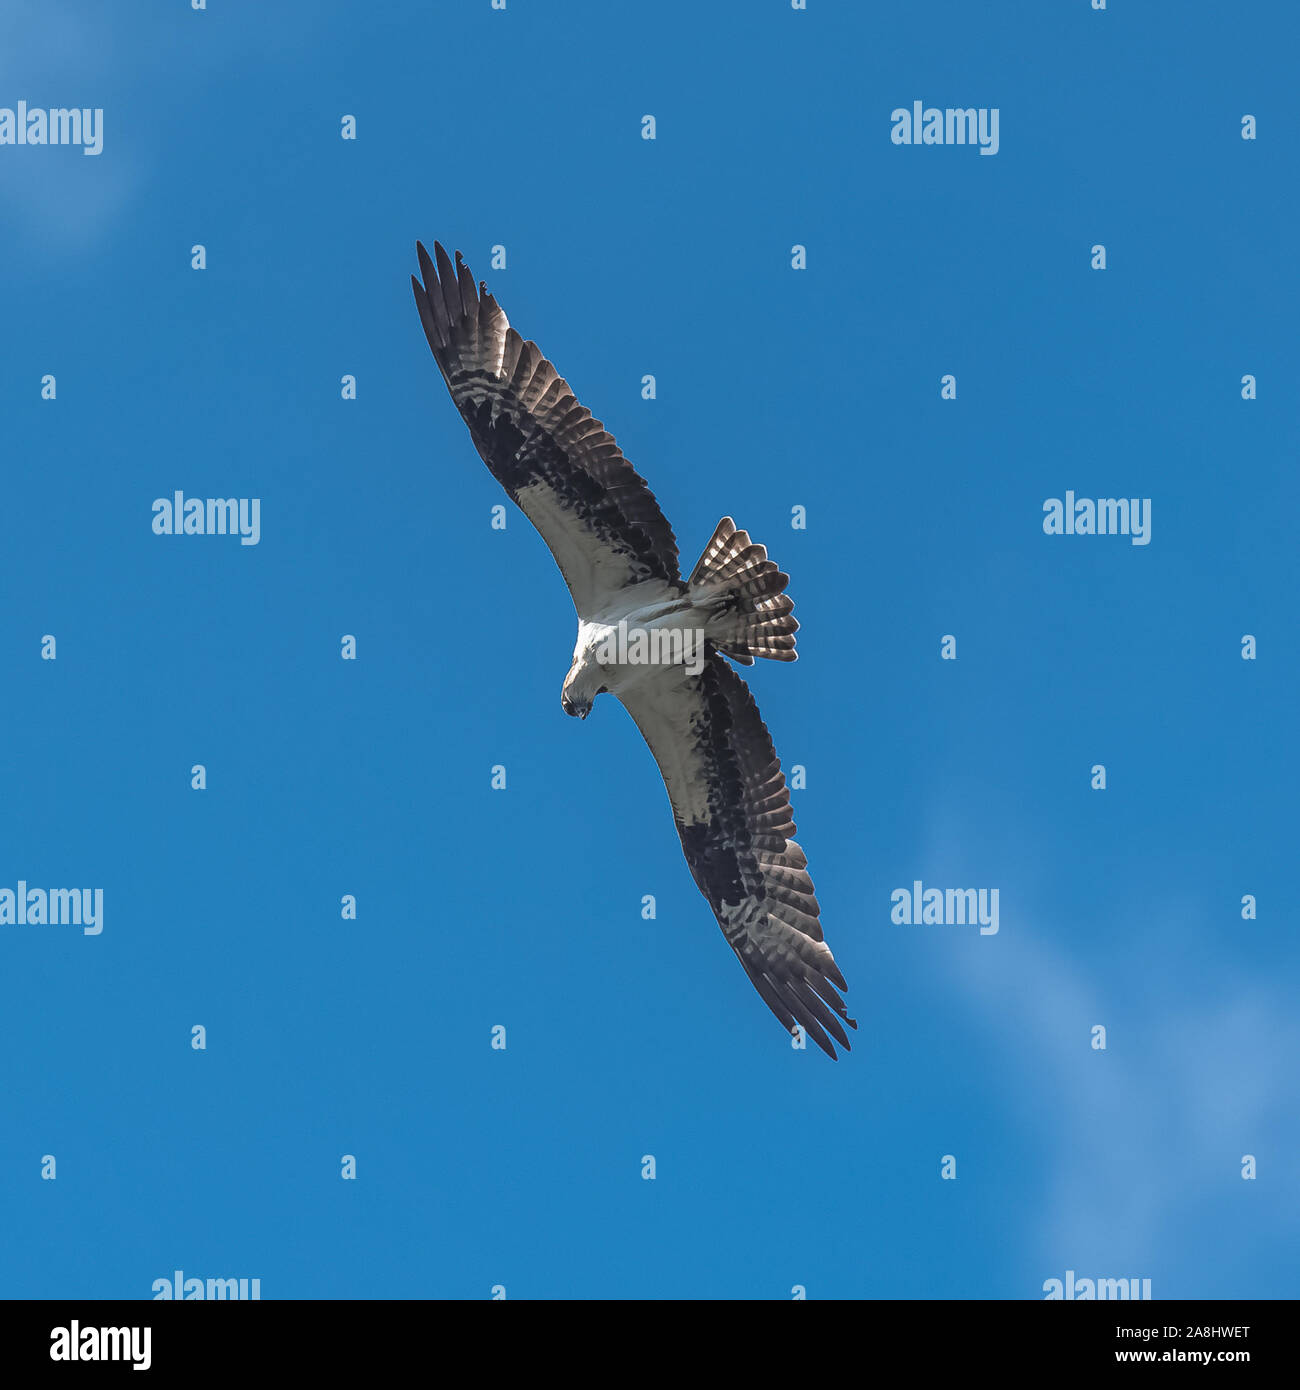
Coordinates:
750 614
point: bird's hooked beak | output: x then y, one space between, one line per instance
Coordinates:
568 706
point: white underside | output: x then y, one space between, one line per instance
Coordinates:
605 651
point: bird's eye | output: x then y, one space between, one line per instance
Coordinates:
604 690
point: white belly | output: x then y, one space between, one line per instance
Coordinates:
649 627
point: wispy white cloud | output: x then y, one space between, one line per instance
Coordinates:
55 199
1143 1135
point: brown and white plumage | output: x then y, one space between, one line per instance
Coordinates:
594 511
618 556
732 812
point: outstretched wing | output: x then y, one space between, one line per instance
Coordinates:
732 811
560 465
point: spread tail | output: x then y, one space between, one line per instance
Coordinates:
743 593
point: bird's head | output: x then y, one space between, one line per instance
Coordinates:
579 692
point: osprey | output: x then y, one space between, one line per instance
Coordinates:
654 640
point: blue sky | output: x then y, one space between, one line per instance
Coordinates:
776 388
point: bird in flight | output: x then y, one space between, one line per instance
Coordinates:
657 642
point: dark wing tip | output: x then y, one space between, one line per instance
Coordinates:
428 318
446 271
812 1031
426 264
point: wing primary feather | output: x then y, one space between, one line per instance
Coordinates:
436 339
813 1003
468 294
446 283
